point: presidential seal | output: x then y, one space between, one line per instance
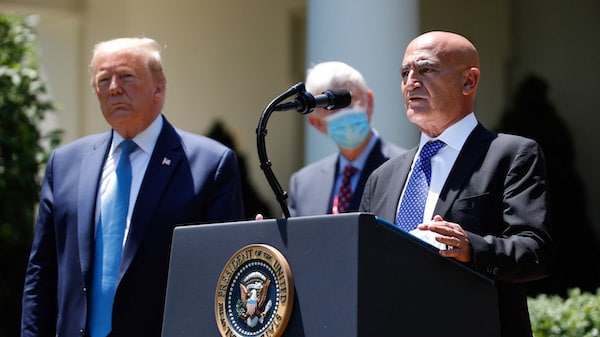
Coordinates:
255 293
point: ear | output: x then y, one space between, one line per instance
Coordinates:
318 123
159 88
471 80
370 105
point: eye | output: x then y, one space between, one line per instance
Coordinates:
425 70
101 81
404 72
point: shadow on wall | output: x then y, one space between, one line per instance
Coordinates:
578 255
253 202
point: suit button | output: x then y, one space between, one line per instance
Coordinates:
84 289
82 333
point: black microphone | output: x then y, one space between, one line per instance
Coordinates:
305 102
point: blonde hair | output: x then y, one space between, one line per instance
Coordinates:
146 48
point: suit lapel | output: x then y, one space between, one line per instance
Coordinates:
326 178
471 154
167 156
89 178
375 159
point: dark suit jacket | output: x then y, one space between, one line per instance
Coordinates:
497 192
311 188
200 184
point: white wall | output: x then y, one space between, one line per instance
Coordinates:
223 59
376 50
228 59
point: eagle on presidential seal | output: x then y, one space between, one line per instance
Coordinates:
253 306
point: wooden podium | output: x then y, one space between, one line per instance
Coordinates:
354 275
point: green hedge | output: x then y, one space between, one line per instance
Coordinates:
23 105
577 315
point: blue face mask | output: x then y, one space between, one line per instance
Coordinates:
348 127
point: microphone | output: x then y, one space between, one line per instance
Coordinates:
305 102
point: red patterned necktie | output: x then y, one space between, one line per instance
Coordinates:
342 201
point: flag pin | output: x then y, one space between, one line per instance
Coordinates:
166 161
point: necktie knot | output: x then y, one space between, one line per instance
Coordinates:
349 171
430 149
127 146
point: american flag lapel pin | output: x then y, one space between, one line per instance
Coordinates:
166 161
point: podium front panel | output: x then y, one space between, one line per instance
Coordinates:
353 274
322 252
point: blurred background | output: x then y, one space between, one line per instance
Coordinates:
226 60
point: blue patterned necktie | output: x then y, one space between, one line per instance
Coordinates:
109 244
412 206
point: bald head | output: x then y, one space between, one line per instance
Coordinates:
448 46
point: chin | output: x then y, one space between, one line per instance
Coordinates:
118 114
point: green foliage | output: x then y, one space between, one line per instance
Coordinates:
577 315
23 104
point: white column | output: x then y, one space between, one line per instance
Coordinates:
371 36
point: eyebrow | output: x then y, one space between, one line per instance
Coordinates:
419 64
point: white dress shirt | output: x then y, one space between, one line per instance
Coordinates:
455 137
146 140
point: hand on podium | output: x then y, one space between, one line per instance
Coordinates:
452 235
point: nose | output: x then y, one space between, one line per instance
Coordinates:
411 80
115 85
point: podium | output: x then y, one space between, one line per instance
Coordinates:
354 274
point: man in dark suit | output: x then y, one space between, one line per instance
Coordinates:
176 178
315 189
486 201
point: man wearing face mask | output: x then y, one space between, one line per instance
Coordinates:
335 183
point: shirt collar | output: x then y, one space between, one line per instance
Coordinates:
145 140
456 135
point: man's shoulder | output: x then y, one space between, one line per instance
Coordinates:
390 165
325 163
85 143
511 144
193 142
391 150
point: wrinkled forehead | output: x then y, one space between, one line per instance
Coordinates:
424 50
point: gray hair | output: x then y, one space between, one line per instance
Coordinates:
334 74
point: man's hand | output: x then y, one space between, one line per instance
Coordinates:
453 236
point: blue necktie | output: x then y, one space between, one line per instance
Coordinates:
108 246
412 206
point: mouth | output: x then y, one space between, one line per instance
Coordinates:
118 105
414 99
119 108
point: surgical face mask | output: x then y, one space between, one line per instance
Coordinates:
348 127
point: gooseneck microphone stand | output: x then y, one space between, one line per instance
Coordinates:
261 133
304 103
